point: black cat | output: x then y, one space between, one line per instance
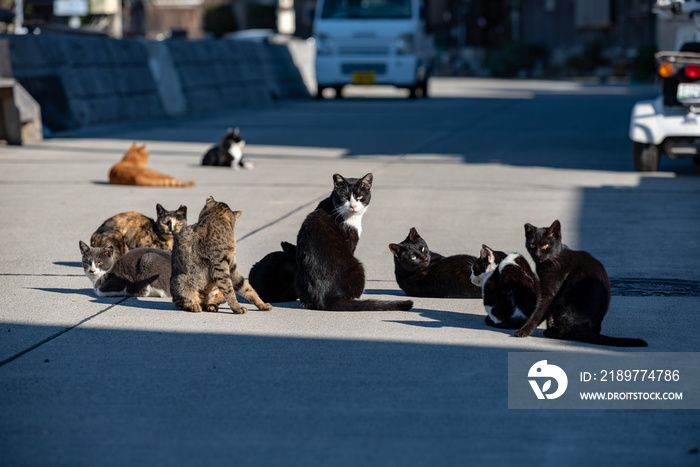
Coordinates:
509 286
329 277
273 276
424 273
229 152
575 291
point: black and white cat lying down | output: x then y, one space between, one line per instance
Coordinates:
509 285
141 272
229 152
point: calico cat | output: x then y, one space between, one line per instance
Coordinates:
204 264
575 291
329 277
131 170
129 230
229 152
273 276
424 273
143 272
510 287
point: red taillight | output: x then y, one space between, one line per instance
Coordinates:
692 71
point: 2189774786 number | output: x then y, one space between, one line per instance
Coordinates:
632 375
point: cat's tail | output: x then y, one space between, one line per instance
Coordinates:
163 180
371 305
599 339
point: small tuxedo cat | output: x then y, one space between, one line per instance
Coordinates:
329 277
424 273
575 291
205 273
131 170
229 152
509 285
142 272
129 230
273 276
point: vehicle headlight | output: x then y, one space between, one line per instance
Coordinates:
324 45
406 44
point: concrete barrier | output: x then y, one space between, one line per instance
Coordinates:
82 80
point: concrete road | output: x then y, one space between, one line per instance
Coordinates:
123 381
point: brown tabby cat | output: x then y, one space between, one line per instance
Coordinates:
131 170
204 260
129 230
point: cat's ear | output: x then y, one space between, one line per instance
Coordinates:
160 210
554 230
396 249
109 250
413 235
236 132
486 252
236 214
367 180
338 181
182 210
84 248
288 247
530 230
210 200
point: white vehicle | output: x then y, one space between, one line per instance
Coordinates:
368 42
670 124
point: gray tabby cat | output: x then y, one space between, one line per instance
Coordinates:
142 272
204 264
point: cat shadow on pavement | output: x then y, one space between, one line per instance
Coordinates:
71 264
395 293
88 291
445 319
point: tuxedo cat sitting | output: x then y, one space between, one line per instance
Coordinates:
424 273
575 291
328 275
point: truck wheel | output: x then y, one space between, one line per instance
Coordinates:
646 157
424 88
319 92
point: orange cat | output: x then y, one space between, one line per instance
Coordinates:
131 170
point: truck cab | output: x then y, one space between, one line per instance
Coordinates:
372 42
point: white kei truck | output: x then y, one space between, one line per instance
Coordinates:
372 42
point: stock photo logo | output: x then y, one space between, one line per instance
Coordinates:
544 372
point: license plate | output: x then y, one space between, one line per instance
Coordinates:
688 93
363 77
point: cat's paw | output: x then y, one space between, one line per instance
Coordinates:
239 310
213 307
265 307
196 308
523 332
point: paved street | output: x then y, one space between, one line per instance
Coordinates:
124 381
